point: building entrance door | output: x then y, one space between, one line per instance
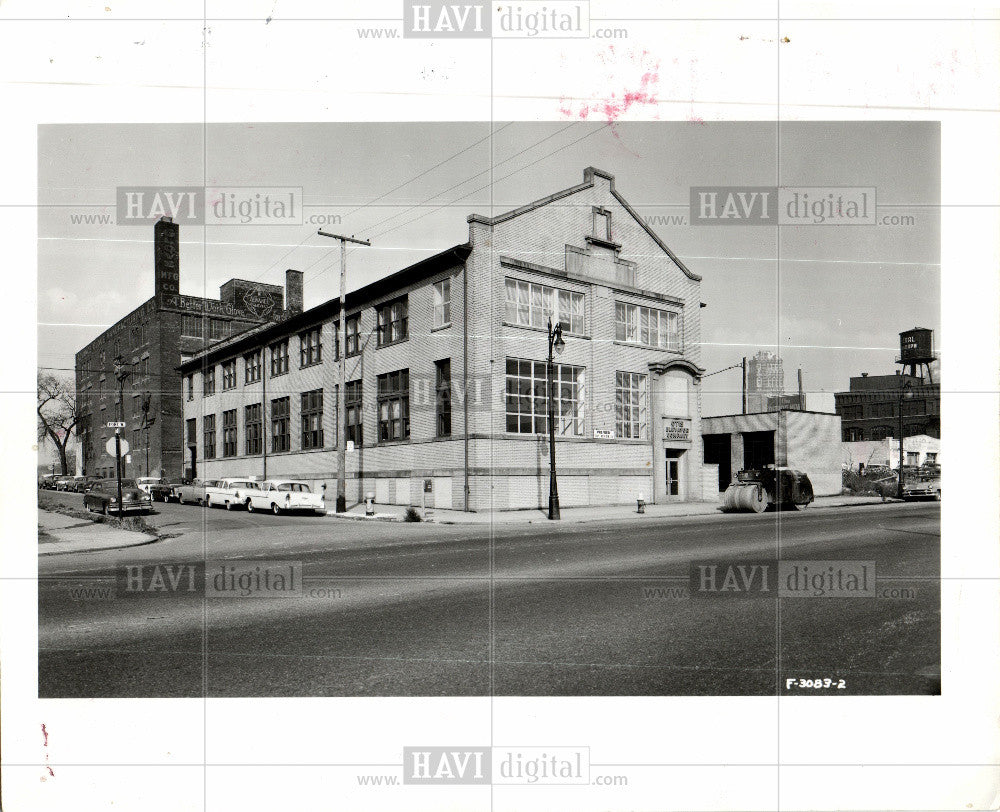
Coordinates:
673 473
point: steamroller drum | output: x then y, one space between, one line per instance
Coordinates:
745 497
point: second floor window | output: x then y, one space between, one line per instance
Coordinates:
644 325
442 303
527 398
394 406
191 325
392 322
532 305
252 362
229 375
254 428
229 446
190 387
352 329
281 425
279 358
310 348
312 419
209 432
209 381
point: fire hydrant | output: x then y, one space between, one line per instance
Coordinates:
369 504
640 505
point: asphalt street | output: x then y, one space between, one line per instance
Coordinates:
389 609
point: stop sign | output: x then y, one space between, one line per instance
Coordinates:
110 447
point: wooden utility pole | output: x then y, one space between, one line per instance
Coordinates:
342 369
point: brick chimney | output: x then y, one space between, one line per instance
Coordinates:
293 291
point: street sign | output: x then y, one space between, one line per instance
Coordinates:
110 447
116 424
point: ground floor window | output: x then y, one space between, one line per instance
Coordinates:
312 419
527 398
209 434
631 411
254 424
354 420
229 433
281 425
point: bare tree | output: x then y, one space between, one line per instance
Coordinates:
58 414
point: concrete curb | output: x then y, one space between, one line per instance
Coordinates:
64 547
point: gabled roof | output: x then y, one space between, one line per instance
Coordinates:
588 181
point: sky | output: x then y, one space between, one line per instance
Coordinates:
828 299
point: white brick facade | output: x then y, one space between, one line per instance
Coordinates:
550 243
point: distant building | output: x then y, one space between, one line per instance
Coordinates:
151 341
917 450
765 379
870 409
804 402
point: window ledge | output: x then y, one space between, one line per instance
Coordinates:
646 347
441 327
544 330
392 343
313 364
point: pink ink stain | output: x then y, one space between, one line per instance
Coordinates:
634 93
45 743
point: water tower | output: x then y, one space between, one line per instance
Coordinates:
916 350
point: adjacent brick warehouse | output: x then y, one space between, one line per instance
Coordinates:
453 403
150 342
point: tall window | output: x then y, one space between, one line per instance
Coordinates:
644 325
192 431
527 398
602 224
209 437
353 416
209 375
281 424
229 447
531 305
442 303
279 358
218 329
442 389
392 322
192 325
312 419
631 412
229 375
254 428
253 364
352 329
310 348
394 406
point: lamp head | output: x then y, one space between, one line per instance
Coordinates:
557 340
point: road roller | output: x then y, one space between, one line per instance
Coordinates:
755 489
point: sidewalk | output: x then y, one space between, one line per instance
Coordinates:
395 513
65 534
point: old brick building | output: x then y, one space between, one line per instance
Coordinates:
445 403
870 409
144 388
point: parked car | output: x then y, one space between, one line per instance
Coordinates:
231 493
278 495
64 483
103 497
924 483
47 482
159 491
194 491
90 481
145 483
78 485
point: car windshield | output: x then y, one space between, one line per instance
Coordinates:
210 483
127 483
298 487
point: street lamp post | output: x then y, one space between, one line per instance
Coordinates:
556 345
905 393
121 373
